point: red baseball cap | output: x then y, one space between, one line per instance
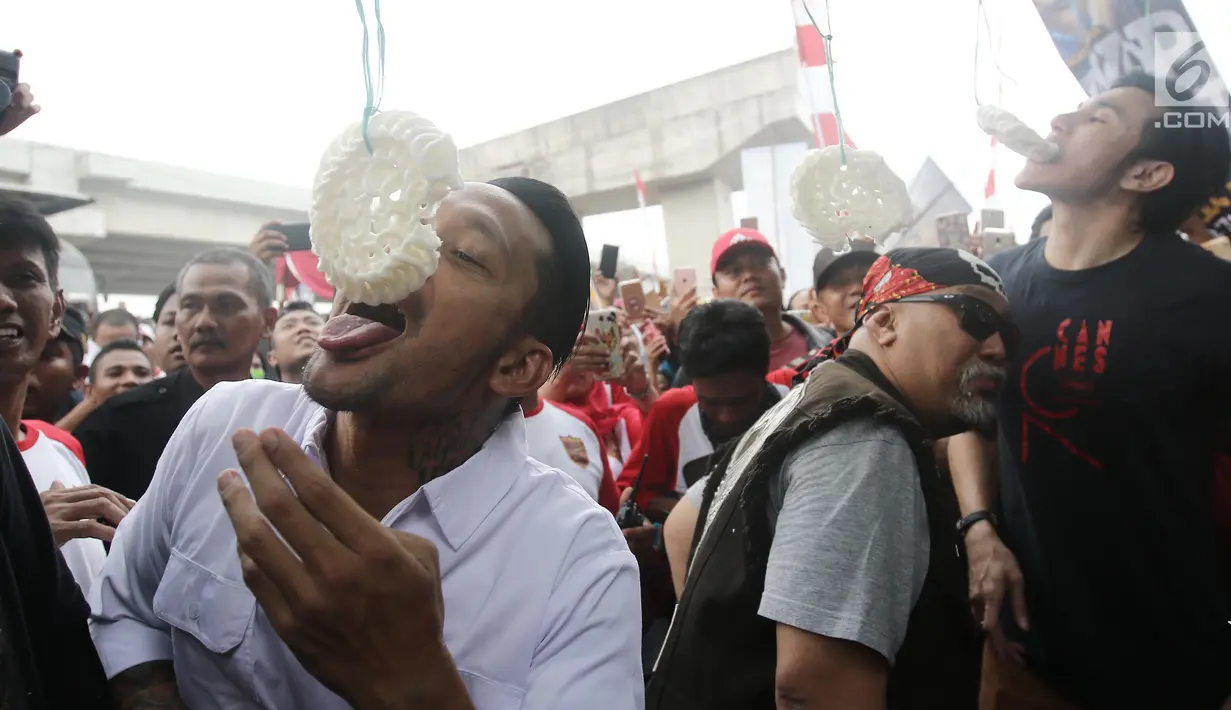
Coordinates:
734 238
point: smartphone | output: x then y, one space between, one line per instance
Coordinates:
607 264
992 219
683 280
10 66
296 234
953 231
996 240
604 325
633 296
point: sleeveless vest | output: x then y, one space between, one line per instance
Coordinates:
721 655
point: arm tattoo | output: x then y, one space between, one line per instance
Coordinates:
149 686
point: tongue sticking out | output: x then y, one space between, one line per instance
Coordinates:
351 332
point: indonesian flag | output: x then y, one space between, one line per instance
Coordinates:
641 202
989 190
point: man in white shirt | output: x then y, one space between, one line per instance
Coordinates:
491 580
564 438
54 468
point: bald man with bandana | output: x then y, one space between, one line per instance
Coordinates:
823 573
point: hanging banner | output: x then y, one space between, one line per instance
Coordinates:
1103 40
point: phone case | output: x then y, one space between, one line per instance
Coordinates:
684 280
633 295
604 325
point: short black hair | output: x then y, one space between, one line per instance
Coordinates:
122 344
163 296
23 227
722 337
260 284
557 312
75 352
115 317
1042 218
1200 155
295 306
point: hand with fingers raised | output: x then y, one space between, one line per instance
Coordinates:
84 511
360 605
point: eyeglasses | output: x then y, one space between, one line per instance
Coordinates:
976 317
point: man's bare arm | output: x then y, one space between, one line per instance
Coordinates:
971 461
149 686
816 672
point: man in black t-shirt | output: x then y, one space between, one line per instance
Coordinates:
1102 584
47 660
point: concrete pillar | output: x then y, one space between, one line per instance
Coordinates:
767 187
694 215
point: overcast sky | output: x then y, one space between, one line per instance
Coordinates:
257 88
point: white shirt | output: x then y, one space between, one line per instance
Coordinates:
50 461
542 596
562 441
91 351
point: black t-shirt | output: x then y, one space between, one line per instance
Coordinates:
1109 425
47 659
124 438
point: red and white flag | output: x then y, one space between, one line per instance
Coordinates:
814 79
641 201
989 190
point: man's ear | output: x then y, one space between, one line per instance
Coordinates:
1148 176
57 315
820 314
882 325
79 378
271 317
522 369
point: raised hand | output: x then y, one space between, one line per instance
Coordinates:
19 109
359 604
267 244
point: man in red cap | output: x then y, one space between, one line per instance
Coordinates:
744 266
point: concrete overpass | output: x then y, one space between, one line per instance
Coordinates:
139 221
685 139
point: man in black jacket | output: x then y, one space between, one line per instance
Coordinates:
47 660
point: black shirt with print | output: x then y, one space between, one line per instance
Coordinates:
1110 420
47 660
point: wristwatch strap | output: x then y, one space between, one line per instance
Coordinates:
967 522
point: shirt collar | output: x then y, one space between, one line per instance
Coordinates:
461 499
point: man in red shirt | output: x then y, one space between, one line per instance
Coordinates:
726 345
744 266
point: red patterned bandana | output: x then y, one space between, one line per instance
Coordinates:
910 272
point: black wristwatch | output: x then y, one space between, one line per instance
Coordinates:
967 522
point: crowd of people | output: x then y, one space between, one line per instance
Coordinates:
929 481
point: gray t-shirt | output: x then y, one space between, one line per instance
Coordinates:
850 548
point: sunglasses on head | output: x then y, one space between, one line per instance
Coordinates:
976 317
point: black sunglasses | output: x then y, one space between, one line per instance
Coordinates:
975 316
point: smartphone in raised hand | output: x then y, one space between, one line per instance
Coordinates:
683 279
296 234
633 296
609 260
